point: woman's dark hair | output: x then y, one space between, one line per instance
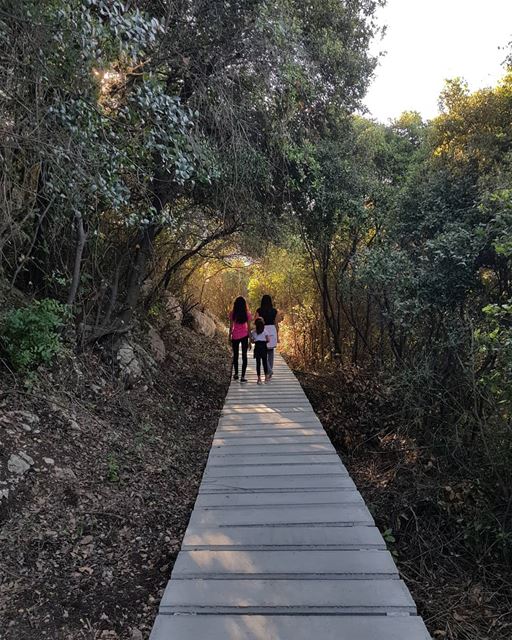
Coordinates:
260 325
266 303
239 313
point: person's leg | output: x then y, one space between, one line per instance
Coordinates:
264 361
270 361
235 345
245 345
258 363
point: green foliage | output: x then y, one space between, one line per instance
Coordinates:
390 541
494 340
484 533
113 469
158 128
388 536
406 238
30 336
104 149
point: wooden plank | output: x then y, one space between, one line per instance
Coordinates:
280 564
342 515
243 627
327 537
250 460
245 484
323 469
288 596
237 500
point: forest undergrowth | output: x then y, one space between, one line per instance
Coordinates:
90 533
433 507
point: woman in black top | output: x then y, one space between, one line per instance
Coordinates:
271 318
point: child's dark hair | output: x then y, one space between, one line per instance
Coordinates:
260 325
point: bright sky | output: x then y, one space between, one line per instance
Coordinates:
428 41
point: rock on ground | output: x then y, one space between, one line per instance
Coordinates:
19 463
173 307
219 325
202 324
65 474
22 419
156 344
129 364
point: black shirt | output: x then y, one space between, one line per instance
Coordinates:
268 315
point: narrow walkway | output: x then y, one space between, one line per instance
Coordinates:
280 545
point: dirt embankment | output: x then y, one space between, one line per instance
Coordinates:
435 513
101 481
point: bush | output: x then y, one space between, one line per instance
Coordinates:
29 336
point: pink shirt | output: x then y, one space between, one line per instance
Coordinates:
239 330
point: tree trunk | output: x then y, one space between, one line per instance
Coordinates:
80 246
143 251
329 314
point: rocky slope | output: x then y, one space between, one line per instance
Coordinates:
100 462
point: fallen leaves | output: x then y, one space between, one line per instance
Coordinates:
450 560
89 559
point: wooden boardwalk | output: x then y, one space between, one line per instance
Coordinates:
280 545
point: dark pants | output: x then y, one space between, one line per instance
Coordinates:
236 348
260 353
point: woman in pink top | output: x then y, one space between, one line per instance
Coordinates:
239 319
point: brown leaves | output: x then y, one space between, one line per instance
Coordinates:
430 504
95 565
87 570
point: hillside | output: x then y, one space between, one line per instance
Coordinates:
90 529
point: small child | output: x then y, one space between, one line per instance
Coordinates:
260 337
